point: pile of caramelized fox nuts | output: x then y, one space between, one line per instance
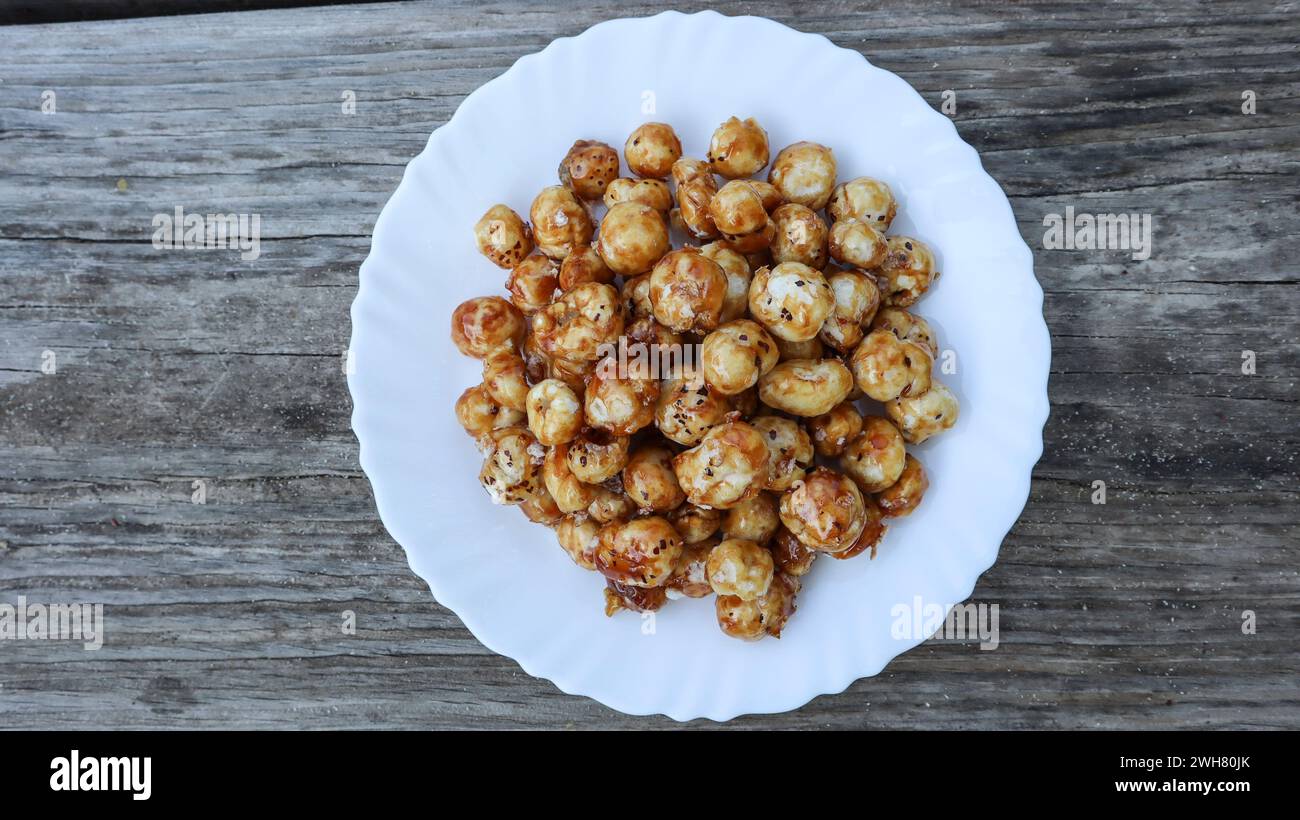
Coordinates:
705 481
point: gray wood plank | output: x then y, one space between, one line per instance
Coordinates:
179 367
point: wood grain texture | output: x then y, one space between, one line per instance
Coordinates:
178 366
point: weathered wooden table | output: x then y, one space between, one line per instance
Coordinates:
128 374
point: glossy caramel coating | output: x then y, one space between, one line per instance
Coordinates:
865 199
639 553
736 355
874 457
806 387
596 455
885 367
687 290
791 300
688 408
804 173
728 466
907 272
833 430
741 568
533 282
738 148
589 168
650 480
633 237
901 497
652 192
825 511
560 222
503 236
652 149
575 326
485 323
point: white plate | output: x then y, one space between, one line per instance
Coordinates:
506 578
